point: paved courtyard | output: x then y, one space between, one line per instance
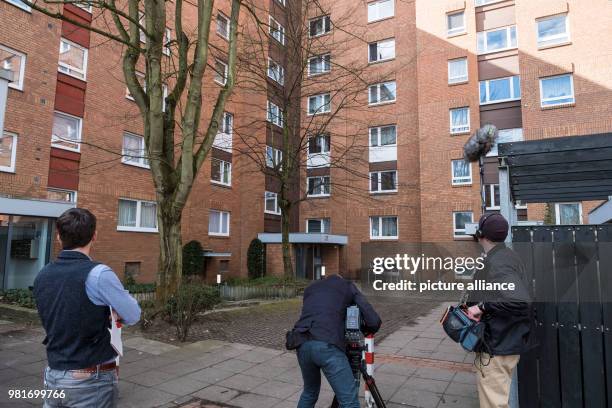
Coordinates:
416 366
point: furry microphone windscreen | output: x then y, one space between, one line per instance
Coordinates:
480 143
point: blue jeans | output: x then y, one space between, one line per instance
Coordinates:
82 390
315 356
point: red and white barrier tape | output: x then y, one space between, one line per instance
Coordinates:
369 359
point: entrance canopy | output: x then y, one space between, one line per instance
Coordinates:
576 168
303 238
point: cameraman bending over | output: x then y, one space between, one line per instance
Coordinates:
321 333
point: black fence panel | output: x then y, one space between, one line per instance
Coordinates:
572 274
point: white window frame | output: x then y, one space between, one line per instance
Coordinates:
137 228
487 83
17 84
11 168
491 194
322 222
276 74
556 39
276 157
276 27
321 194
461 181
79 132
142 162
506 136
20 5
281 2
322 58
479 3
128 94
326 107
451 32
376 61
277 120
70 70
323 151
379 189
376 3
378 86
378 219
378 130
455 230
222 214
324 18
222 172
225 67
221 16
509 45
457 130
461 79
73 194
543 101
558 213
87 7
167 38
271 194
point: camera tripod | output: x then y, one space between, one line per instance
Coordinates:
354 352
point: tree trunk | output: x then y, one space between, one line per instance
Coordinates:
170 266
285 224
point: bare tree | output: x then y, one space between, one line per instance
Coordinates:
296 142
177 138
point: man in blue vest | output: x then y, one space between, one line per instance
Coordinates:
73 295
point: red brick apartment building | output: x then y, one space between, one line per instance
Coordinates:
434 71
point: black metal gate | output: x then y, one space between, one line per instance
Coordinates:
571 267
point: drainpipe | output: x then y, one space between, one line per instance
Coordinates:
5 78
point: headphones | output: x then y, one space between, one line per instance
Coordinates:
479 233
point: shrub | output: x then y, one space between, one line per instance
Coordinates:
20 297
140 287
193 258
255 259
183 307
149 311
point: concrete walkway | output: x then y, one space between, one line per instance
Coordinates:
416 366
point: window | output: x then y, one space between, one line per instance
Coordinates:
274 157
318 186
227 126
167 40
457 71
137 215
484 2
271 203
223 139
383 227
491 196
131 270
8 152
378 10
383 136
462 172
553 30
20 4
141 79
318 226
85 6
277 31
506 136
72 59
134 151
66 132
496 40
221 172
557 90
383 181
382 93
55 194
276 72
568 213
319 26
459 221
381 50
318 104
275 114
500 90
218 223
459 120
220 72
455 23
223 26
319 65
13 61
281 2
318 144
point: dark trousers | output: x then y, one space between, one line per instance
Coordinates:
316 356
